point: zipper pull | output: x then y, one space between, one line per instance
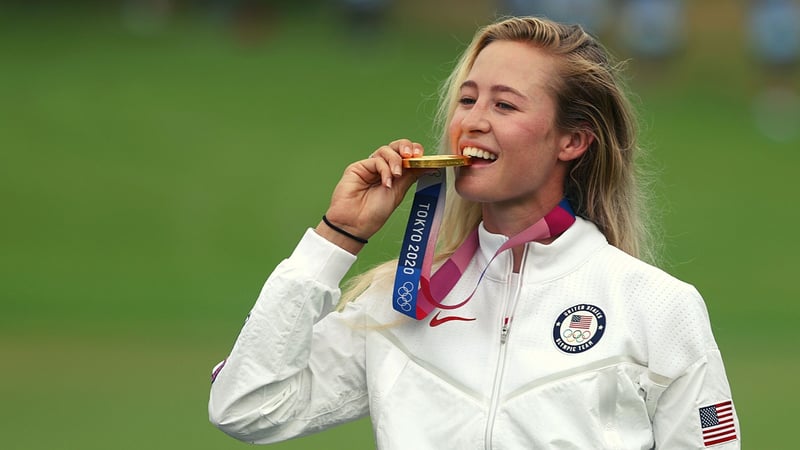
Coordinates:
504 330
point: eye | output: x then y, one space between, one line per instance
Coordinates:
466 101
505 106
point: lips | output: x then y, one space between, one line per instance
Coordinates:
478 154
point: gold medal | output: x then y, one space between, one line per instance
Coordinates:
436 161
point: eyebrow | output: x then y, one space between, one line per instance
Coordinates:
494 88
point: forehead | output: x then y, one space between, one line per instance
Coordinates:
517 64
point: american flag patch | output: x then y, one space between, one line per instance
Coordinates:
580 322
717 423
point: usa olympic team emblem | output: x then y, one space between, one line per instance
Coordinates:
579 328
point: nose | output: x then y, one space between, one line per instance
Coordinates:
475 120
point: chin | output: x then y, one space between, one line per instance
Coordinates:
475 193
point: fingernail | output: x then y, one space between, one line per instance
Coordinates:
417 152
407 151
397 170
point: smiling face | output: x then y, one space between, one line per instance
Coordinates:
505 119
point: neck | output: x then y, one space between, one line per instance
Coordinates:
510 220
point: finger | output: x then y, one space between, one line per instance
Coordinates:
391 156
384 170
406 148
418 150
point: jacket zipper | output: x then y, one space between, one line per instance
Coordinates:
505 328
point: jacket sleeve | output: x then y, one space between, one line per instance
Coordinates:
693 404
696 410
296 367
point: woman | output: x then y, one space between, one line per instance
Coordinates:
565 341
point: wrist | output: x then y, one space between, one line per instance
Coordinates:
348 241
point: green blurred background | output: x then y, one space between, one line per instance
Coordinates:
155 166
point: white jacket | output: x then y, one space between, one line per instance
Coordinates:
653 378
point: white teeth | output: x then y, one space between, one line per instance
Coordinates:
478 153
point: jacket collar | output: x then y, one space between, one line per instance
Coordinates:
541 261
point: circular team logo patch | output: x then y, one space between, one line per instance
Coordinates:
579 328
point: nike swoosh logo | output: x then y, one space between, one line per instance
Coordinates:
436 320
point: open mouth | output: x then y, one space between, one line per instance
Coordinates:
478 155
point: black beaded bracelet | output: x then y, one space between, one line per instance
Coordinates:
341 231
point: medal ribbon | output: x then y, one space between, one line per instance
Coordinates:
416 292
416 254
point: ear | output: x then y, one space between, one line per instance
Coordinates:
575 143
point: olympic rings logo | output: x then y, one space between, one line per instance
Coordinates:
579 328
576 336
404 296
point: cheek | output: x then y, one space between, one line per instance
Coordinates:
537 140
535 131
453 129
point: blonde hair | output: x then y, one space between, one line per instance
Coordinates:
603 185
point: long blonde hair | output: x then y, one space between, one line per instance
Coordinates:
603 185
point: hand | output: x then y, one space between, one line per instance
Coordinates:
368 192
